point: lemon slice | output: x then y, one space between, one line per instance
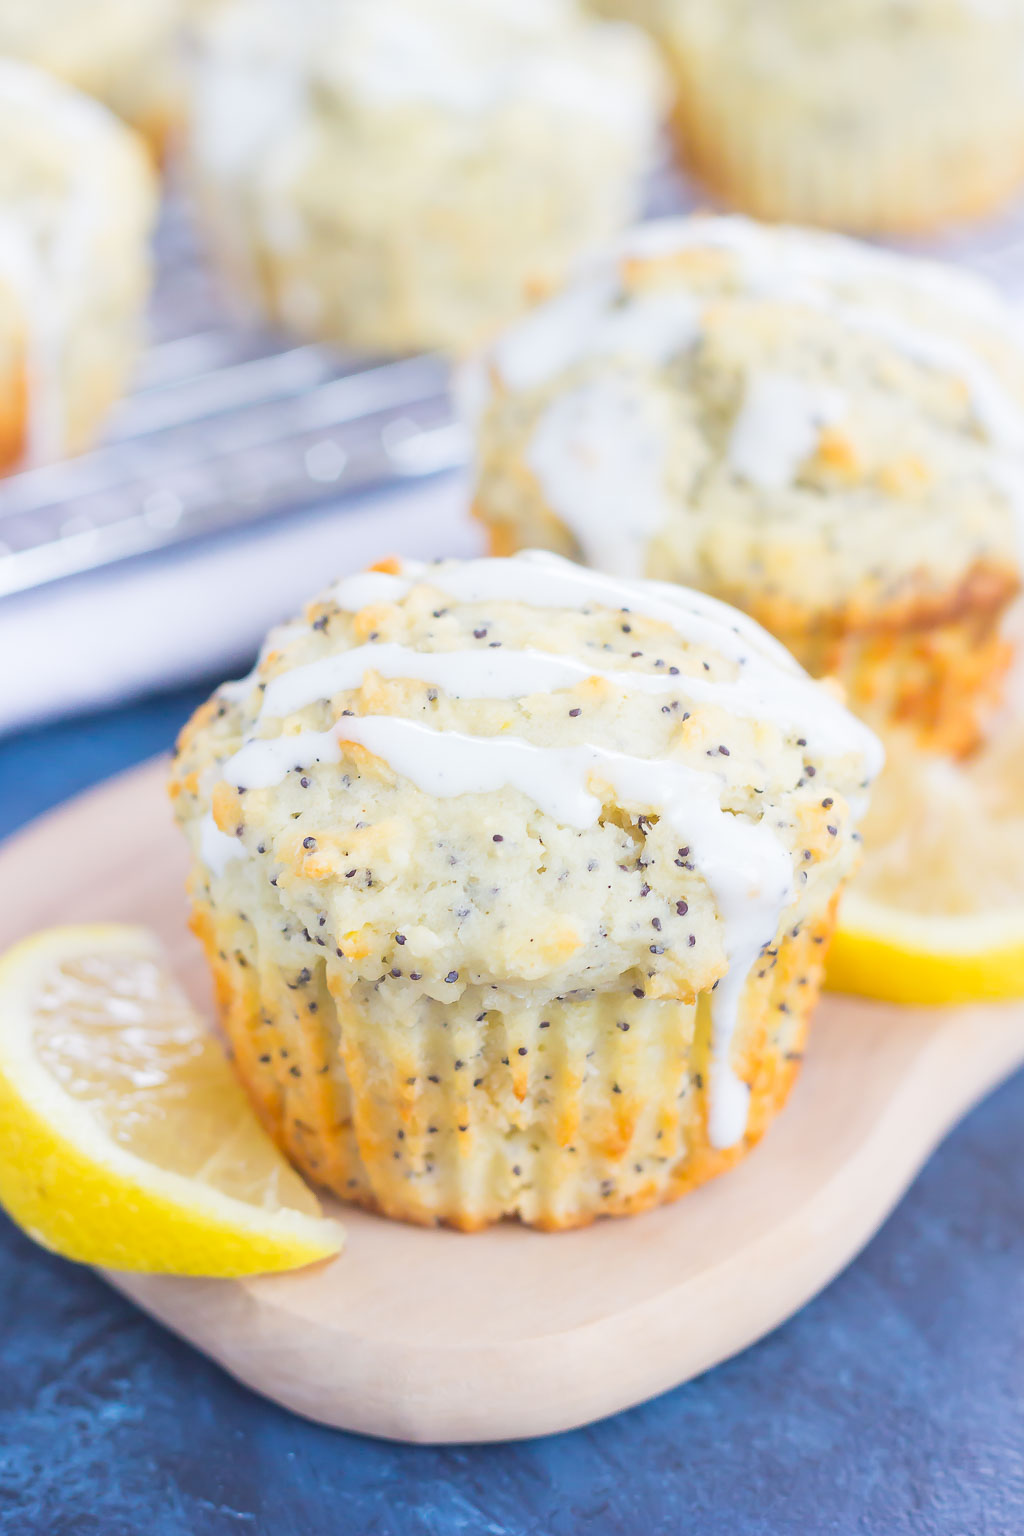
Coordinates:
936 913
125 1139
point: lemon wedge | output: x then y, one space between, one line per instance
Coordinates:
936 913
125 1139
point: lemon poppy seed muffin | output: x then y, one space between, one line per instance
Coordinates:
824 434
123 52
77 199
866 115
401 174
516 881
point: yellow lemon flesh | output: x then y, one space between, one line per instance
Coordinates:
125 1139
936 913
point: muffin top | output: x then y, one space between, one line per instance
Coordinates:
70 175
795 421
65 161
522 775
274 60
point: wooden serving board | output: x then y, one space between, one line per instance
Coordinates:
438 1336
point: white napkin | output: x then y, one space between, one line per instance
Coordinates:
202 610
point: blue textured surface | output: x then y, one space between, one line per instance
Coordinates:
893 1405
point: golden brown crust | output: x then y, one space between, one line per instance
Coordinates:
366 1116
932 663
13 418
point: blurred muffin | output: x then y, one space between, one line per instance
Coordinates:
124 52
826 435
516 881
77 199
862 114
403 174
643 13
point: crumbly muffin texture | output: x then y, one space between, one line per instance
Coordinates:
861 114
401 174
484 855
123 52
827 435
77 193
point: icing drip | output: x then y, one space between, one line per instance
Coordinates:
587 321
758 692
366 588
216 849
779 426
239 690
462 674
543 580
600 455
746 867
262 764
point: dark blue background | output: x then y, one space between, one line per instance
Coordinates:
893 1404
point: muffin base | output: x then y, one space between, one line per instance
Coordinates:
551 1113
783 172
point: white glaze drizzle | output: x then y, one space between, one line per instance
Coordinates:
239 688
759 692
543 580
600 454
483 674
260 764
593 319
366 588
216 849
771 684
747 868
47 276
779 426
804 267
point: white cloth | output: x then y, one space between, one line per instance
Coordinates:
202 610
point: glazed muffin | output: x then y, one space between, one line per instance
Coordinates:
401 174
866 115
77 198
515 881
124 52
824 434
